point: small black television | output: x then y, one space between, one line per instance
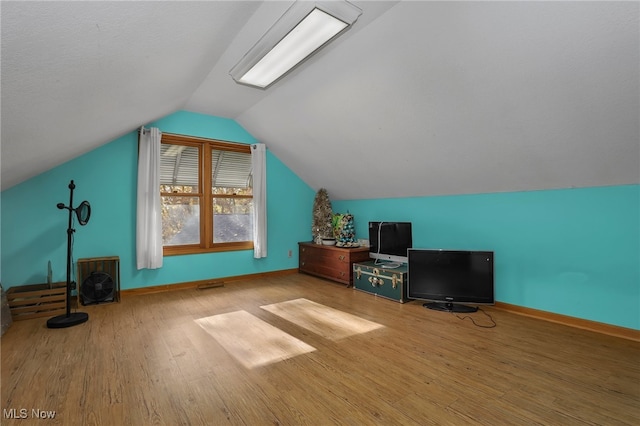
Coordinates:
451 280
389 241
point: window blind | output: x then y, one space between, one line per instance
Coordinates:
230 169
179 166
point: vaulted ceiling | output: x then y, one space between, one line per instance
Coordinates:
417 98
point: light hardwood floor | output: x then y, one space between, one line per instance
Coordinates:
146 361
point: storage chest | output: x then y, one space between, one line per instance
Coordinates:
390 283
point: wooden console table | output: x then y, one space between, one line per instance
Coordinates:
330 262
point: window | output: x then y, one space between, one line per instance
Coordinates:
207 198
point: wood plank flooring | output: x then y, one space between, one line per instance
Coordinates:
145 361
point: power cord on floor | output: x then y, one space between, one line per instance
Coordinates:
492 325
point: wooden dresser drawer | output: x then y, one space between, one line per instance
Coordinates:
330 262
333 258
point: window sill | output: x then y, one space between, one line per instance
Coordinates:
221 247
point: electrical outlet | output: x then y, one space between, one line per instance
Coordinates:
290 253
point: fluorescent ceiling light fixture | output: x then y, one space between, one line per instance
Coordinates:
299 33
310 34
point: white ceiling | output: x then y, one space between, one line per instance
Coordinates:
418 98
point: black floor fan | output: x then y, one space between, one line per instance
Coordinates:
82 212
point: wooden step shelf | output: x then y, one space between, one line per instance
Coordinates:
37 300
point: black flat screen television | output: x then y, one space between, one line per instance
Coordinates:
389 241
451 279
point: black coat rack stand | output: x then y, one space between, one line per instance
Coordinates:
83 212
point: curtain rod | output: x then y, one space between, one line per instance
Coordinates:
145 131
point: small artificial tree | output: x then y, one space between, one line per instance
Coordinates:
322 214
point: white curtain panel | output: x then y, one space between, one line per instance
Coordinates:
258 163
148 217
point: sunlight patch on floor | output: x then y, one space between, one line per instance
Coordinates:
250 340
322 320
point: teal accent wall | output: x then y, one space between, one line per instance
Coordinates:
34 231
573 252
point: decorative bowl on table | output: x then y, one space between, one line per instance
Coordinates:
329 241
